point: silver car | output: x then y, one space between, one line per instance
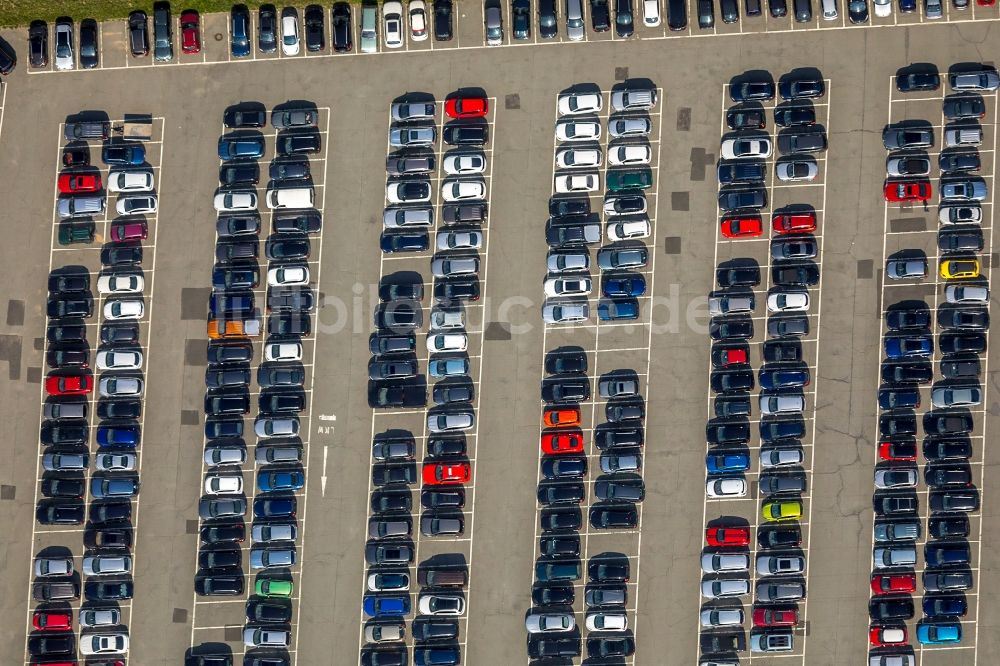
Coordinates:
446 319
780 457
272 558
964 189
894 556
450 421
400 218
100 617
53 566
65 58
722 562
115 462
795 170
452 266
629 127
558 312
721 617
567 262
403 137
384 633
956 396
225 454
106 565
413 111
726 587
270 532
459 239
276 427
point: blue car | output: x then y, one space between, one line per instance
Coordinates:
899 398
124 155
404 242
723 463
624 285
386 605
945 606
281 481
779 379
239 30
436 656
907 6
618 309
939 632
448 367
102 487
274 507
118 436
906 346
233 147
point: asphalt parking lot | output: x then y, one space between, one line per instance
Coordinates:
522 83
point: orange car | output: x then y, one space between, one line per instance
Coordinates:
562 441
221 328
560 418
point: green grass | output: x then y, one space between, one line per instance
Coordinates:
22 12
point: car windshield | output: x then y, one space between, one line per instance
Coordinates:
62 46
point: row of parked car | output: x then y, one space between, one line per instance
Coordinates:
234 318
65 430
963 321
783 378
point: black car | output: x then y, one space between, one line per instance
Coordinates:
220 558
942 475
919 373
731 328
779 537
954 500
800 88
442 499
857 11
894 424
624 22
618 646
730 406
964 318
64 488
548 17
121 254
119 409
109 537
443 21
600 15
882 609
948 423
727 433
66 333
223 533
560 546
340 27
239 174
269 611
794 115
554 595
959 343
295 300
959 161
235 276
746 117
560 493
89 58
219 585
398 316
235 118
107 590
43 645
947 449
301 223
794 274
561 390
565 361
746 91
908 318
107 513
520 11
289 323
281 248
227 402
960 240
677 14
458 289
63 434
391 344
63 356
289 170
239 352
313 20
391 502
465 134
80 304
785 350
298 143
778 8
960 366
227 375
556 520
448 393
446 447
267 27
392 242
948 526
706 14
280 374
738 276
563 207
138 34
714 643
547 648
918 81
732 380
563 467
617 516
387 394
38 44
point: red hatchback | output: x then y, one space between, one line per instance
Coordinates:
727 536
723 357
776 616
887 636
467 107
68 384
446 474
901 451
73 183
893 583
128 231
797 223
556 443
907 190
190 32
52 621
741 227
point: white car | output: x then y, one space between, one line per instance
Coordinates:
721 617
470 239
106 565
137 204
64 46
578 158
568 286
720 562
606 621
119 360
130 181
572 104
447 319
578 182
578 130
120 387
223 485
788 301
100 617
408 191
545 623
392 18
447 342
738 148
103 643
565 313
228 202
651 13
629 230
629 155
124 309
726 487
623 205
441 604
959 214
120 284
460 164
418 20
267 637
289 32
115 462
288 275
883 8
464 190
283 351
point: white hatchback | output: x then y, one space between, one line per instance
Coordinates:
460 164
577 130
119 360
572 104
578 158
570 286
223 485
130 181
103 644
228 202
726 487
418 20
283 351
630 230
583 182
788 301
629 155
124 309
137 204
447 342
740 148
392 17
290 275
289 33
464 190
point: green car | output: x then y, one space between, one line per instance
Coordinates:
82 232
632 179
269 588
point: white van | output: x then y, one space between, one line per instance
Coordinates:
290 197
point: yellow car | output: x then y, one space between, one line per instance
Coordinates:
958 269
773 512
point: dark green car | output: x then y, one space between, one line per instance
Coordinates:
631 179
82 232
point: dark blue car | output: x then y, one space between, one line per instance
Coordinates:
618 309
950 606
624 285
391 605
440 656
233 147
404 242
778 379
274 507
124 436
727 462
239 31
906 346
125 155
907 397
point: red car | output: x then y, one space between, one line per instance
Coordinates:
887 636
892 583
741 227
797 223
446 474
190 32
776 616
128 231
723 357
907 190
555 417
72 183
68 384
727 536
986 3
52 621
556 443
901 451
467 107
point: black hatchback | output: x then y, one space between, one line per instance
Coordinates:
313 18
624 21
462 134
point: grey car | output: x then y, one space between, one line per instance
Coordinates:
402 137
212 508
974 79
898 138
903 269
612 258
568 261
964 189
